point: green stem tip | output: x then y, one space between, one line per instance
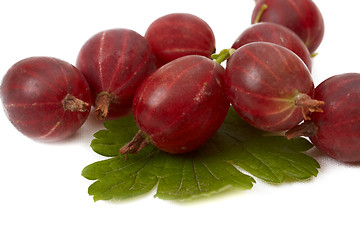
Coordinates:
223 55
314 55
260 13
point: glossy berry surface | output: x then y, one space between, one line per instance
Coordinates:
274 33
115 62
338 127
181 105
45 98
266 84
180 34
301 16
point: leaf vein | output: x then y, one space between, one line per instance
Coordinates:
115 186
207 168
182 178
232 137
136 174
267 166
148 156
196 176
293 163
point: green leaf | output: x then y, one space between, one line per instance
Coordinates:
108 142
213 168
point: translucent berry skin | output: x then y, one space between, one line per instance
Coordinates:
33 92
275 33
338 127
180 34
182 104
115 62
263 81
301 16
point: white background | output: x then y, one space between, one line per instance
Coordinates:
44 196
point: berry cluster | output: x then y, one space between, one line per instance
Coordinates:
174 85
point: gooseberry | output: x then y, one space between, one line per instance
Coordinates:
336 130
179 34
274 33
45 98
301 16
115 62
180 106
269 86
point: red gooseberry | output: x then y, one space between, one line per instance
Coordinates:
301 16
269 86
115 62
179 34
45 98
180 106
274 33
336 130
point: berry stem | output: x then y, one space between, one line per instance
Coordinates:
314 55
260 13
136 144
102 105
223 55
307 104
73 104
306 129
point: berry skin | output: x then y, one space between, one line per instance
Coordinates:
180 34
269 86
274 33
336 131
45 98
115 62
301 16
182 104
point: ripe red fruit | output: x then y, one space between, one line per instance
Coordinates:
301 16
45 98
115 62
336 131
269 86
180 34
274 33
180 106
